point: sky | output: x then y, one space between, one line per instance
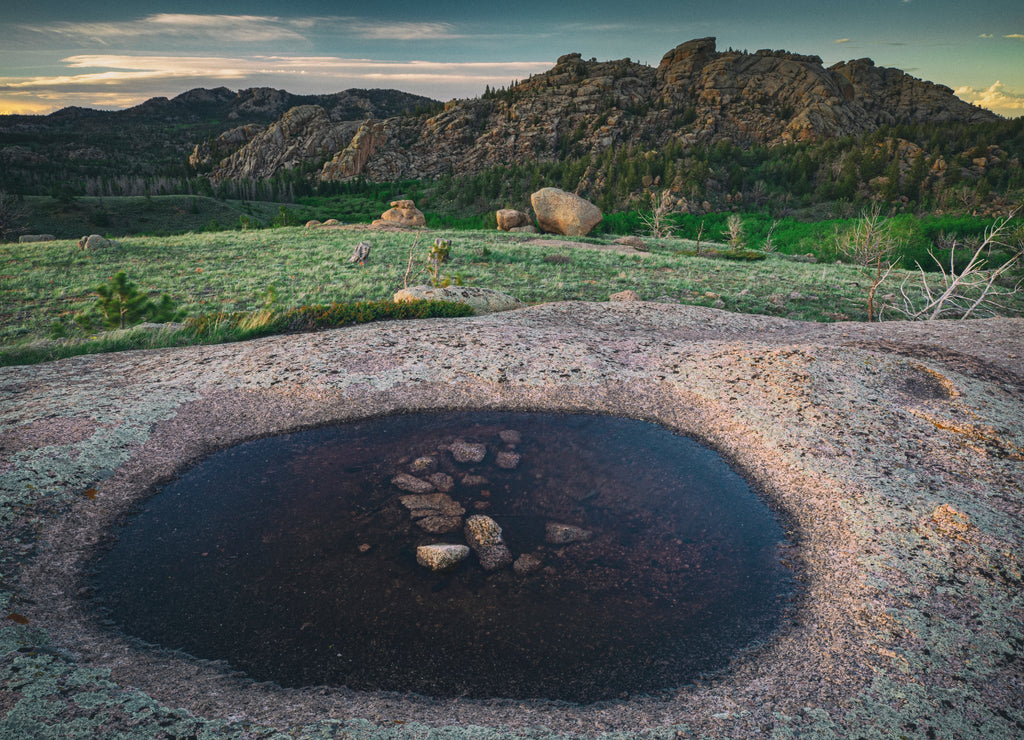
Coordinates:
57 53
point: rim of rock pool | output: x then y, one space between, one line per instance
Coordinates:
58 577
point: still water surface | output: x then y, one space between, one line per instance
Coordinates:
293 559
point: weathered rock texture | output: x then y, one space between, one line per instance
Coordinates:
305 133
893 451
559 212
696 95
403 214
510 218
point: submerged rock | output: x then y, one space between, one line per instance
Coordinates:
441 558
442 481
468 452
507 459
436 513
565 534
527 563
411 483
484 535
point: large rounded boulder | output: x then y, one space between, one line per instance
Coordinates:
559 212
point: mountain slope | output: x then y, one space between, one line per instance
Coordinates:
696 96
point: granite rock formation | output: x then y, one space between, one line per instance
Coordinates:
696 95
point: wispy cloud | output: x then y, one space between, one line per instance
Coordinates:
399 31
223 28
842 41
133 78
1014 36
995 97
244 28
984 35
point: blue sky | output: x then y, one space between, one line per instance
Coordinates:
55 53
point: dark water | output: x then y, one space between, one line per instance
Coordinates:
258 556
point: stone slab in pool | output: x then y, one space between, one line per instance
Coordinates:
293 558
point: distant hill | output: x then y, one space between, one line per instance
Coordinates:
79 147
696 96
713 129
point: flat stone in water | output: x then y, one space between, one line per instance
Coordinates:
294 559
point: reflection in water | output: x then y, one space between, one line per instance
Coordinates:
294 559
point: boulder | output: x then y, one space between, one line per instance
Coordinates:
441 558
403 213
31 238
481 300
95 241
484 535
559 212
509 218
626 295
313 223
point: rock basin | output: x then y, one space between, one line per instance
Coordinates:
895 451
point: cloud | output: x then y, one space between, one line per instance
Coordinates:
244 29
984 35
1014 36
130 79
222 28
996 98
842 41
399 31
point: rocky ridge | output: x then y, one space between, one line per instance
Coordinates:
697 95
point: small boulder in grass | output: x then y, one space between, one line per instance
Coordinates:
624 297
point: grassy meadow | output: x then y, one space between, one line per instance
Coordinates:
44 285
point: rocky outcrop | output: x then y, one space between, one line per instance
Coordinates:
559 212
402 214
304 134
350 162
210 153
696 95
481 300
32 238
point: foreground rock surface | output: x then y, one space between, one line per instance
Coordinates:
893 450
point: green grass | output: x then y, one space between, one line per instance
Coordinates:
43 285
165 214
